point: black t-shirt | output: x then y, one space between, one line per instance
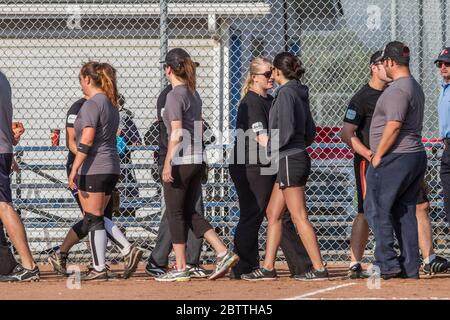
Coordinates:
70 120
360 110
253 115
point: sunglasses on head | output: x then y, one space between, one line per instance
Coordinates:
440 63
266 74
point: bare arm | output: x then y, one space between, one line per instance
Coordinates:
87 138
390 134
348 136
71 141
174 140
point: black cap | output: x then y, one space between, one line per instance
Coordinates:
397 51
444 56
176 56
376 57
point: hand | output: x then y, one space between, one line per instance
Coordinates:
167 173
375 161
18 130
73 180
369 156
15 166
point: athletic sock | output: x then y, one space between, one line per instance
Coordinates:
354 263
428 260
117 237
98 240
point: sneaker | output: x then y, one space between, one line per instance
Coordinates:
94 275
131 261
260 274
313 275
58 260
20 274
224 264
234 276
195 271
154 270
356 272
174 275
438 265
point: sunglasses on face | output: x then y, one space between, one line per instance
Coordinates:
266 74
439 64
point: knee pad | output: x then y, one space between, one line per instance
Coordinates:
78 229
92 223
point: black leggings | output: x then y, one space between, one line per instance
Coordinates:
181 197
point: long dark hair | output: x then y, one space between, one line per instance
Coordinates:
104 76
290 65
186 70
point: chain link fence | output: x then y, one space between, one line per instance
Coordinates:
43 44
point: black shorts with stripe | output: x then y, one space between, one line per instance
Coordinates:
361 165
293 170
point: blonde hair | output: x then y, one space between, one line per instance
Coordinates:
255 67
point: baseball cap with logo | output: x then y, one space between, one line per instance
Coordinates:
444 56
397 51
176 57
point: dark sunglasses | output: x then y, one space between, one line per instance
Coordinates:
266 74
440 63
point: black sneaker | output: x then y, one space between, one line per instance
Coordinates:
20 274
224 264
356 272
154 270
234 276
195 271
132 261
438 265
313 275
94 275
260 274
58 260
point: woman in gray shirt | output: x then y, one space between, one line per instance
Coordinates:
96 167
184 168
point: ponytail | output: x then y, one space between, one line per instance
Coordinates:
108 82
186 70
103 76
247 84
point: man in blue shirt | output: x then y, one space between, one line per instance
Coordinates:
443 63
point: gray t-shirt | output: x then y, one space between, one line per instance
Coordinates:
99 113
183 105
402 101
6 112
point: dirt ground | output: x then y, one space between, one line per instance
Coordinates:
142 287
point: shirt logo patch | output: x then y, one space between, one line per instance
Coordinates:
351 114
257 127
71 118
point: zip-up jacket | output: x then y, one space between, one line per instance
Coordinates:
291 115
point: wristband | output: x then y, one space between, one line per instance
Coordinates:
83 148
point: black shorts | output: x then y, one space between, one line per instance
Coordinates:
98 183
293 170
361 165
5 180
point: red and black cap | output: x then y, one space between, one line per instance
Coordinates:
176 57
397 51
444 56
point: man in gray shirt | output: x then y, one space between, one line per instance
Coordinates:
397 167
28 271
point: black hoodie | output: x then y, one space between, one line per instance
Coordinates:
291 115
